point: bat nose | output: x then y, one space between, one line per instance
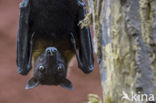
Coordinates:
51 51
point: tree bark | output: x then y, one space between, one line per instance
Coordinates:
125 43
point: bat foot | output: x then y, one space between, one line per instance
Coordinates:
87 70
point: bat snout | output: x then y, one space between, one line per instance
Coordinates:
51 51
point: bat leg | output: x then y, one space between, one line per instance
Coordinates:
84 67
23 39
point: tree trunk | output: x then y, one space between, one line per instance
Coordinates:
125 43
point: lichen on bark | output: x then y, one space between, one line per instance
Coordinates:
126 48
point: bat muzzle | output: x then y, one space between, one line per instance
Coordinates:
51 51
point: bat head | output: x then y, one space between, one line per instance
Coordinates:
49 69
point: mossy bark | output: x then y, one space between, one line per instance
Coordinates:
125 43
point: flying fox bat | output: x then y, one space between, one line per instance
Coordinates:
49 24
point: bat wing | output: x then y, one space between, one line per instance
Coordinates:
85 58
23 39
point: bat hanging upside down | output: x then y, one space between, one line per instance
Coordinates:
48 37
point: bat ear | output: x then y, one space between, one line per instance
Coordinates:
32 83
67 84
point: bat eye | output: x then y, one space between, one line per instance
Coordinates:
41 68
60 68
